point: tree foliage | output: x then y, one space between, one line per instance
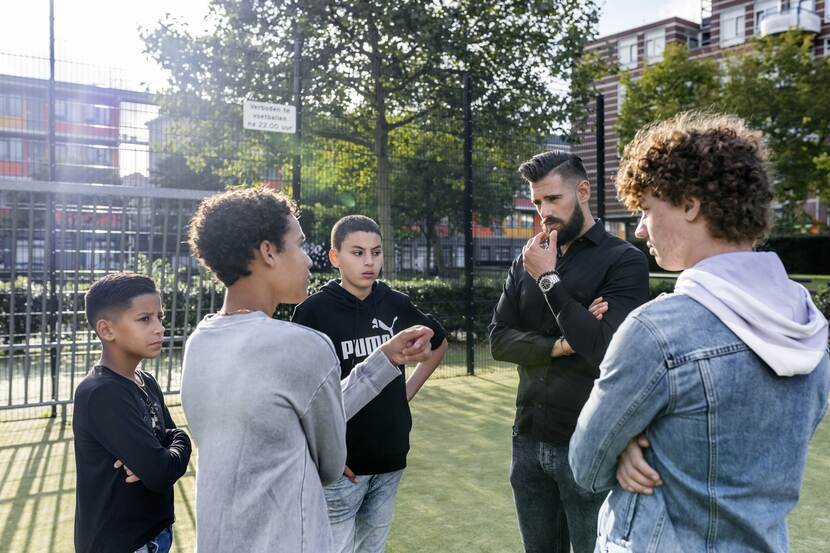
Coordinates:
779 88
775 83
666 88
371 70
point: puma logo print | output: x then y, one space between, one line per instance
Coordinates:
364 346
377 323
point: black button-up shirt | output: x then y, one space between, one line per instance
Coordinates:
526 324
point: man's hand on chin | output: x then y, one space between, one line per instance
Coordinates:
539 254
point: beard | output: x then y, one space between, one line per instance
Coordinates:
569 230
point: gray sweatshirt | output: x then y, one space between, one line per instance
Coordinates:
267 410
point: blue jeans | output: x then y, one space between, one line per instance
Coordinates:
160 544
554 512
361 512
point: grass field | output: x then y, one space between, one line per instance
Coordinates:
454 498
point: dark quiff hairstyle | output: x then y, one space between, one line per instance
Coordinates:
113 293
715 158
350 224
228 227
567 166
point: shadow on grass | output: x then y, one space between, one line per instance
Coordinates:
38 487
455 496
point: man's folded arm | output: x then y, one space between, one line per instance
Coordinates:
626 289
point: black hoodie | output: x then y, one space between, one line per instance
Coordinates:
377 437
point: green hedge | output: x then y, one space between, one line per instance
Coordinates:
801 255
822 299
443 297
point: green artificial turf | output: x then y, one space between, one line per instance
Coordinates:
454 498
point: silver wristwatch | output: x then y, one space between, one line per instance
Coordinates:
548 281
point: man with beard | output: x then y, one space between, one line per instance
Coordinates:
547 323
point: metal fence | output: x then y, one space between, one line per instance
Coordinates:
128 169
57 238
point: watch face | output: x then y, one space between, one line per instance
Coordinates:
547 282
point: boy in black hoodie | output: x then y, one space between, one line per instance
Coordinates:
128 451
359 313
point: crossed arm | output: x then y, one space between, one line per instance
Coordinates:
586 331
631 392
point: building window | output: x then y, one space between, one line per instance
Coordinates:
60 109
24 248
627 52
96 115
520 220
104 115
827 47
655 44
692 41
11 104
763 9
70 111
62 153
503 253
459 256
11 149
620 97
616 228
99 156
732 27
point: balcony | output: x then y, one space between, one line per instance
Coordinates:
794 18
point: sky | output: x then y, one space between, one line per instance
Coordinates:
100 37
102 40
619 15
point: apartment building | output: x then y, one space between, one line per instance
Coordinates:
725 24
88 123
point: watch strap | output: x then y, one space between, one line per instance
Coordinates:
548 273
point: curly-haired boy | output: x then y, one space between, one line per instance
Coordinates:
721 384
263 397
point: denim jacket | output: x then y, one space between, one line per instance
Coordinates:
728 436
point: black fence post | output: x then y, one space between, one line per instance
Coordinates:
296 180
600 115
469 250
50 220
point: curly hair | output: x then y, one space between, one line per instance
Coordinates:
714 158
228 227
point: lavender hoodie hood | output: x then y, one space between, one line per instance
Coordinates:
752 295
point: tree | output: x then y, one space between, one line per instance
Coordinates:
372 68
779 88
668 87
774 83
172 171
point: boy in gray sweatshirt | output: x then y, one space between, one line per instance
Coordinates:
263 398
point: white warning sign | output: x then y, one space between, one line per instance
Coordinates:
262 116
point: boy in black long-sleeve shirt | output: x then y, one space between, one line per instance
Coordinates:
128 451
